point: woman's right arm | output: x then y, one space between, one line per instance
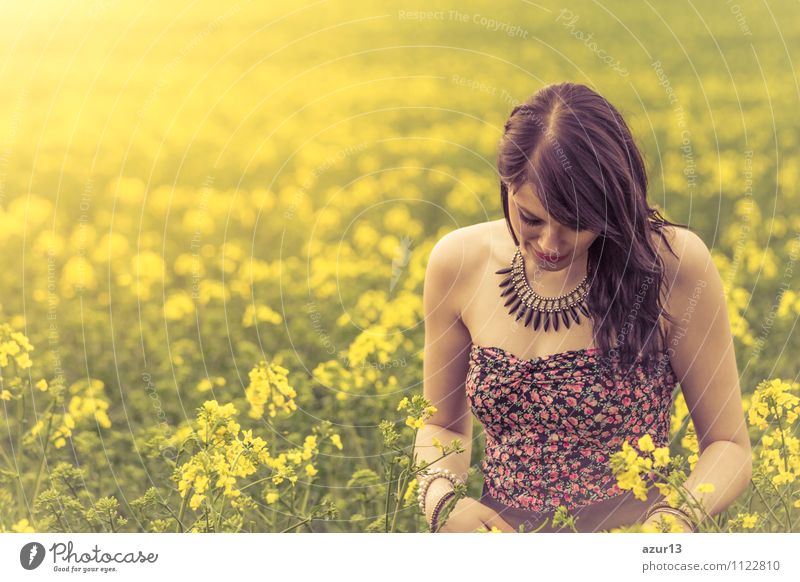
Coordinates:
445 365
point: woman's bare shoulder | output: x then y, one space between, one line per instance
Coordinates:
685 247
462 254
464 248
689 249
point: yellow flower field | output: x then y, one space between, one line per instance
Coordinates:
216 219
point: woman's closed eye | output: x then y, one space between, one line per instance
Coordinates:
537 222
530 221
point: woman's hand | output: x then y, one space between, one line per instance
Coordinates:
469 515
653 521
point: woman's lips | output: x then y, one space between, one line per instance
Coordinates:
548 258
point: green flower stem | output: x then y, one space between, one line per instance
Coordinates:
401 484
305 497
181 511
356 440
218 525
298 524
763 499
261 513
21 501
256 482
682 491
784 454
785 504
44 452
388 495
224 501
702 508
7 460
172 513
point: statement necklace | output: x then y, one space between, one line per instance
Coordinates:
528 304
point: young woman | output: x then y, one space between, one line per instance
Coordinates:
566 328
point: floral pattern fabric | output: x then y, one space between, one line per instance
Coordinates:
551 423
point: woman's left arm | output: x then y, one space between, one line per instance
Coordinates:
702 354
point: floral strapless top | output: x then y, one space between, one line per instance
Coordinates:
551 423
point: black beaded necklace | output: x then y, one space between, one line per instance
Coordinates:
528 304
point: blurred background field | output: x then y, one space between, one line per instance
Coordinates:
235 203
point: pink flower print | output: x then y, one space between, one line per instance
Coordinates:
542 443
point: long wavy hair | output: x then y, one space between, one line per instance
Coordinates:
579 156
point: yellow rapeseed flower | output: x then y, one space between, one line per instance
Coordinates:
269 386
661 457
646 444
24 361
409 497
22 526
310 442
783 477
749 520
415 422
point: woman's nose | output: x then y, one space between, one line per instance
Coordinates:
549 242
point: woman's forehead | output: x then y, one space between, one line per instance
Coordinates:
526 196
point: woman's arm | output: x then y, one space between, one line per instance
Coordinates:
700 346
447 343
445 362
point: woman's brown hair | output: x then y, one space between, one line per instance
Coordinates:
579 156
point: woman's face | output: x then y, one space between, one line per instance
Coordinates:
548 244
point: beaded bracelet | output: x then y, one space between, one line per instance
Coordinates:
426 480
438 508
665 507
